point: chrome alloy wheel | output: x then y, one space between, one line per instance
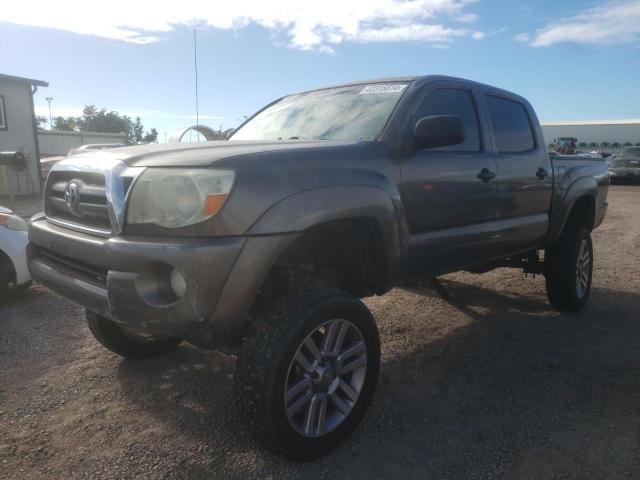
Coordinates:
325 378
583 268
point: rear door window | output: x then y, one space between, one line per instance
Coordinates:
511 125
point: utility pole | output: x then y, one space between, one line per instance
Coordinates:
48 99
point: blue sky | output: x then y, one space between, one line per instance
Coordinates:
571 59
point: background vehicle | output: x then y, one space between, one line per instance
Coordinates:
13 258
625 165
566 145
262 245
93 146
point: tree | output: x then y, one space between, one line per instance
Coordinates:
137 135
615 145
151 136
136 132
628 144
605 145
594 145
582 145
94 120
69 124
40 120
551 146
102 120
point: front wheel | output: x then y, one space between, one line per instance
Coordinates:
6 276
307 372
125 344
569 269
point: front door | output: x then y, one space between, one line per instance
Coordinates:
449 193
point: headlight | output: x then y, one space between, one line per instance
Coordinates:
174 198
13 222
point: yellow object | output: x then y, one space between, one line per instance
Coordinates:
5 179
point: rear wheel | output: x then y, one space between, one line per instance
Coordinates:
125 344
307 372
569 269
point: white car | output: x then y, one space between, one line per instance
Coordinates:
94 146
13 251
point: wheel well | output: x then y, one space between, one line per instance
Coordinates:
5 260
583 212
346 254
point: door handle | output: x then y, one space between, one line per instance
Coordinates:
486 175
541 173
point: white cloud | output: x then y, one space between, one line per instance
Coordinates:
610 23
522 37
478 35
307 25
466 18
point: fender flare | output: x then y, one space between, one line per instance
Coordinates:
282 225
316 206
566 199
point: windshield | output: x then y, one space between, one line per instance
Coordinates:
352 113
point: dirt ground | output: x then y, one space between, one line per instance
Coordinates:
493 384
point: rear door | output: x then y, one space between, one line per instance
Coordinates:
525 175
449 208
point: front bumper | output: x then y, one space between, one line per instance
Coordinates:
125 279
13 243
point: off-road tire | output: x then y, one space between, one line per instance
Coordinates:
562 272
113 338
6 276
264 364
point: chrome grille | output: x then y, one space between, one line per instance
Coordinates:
88 193
90 209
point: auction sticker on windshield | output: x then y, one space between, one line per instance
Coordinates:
369 89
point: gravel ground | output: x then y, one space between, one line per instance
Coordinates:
493 384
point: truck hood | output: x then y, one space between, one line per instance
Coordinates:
201 154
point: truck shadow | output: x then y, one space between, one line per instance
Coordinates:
517 390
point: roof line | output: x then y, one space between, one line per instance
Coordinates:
12 78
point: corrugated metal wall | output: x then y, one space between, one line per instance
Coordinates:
610 133
53 142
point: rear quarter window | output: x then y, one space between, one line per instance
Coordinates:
511 125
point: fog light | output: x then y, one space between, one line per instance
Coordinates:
178 283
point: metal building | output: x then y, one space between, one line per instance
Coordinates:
18 133
607 132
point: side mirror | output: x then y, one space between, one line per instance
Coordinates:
438 131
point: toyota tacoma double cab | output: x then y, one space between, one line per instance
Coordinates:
263 245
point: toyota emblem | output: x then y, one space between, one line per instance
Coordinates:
72 195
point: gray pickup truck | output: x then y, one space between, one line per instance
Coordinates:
261 246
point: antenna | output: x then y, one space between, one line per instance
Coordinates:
195 67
